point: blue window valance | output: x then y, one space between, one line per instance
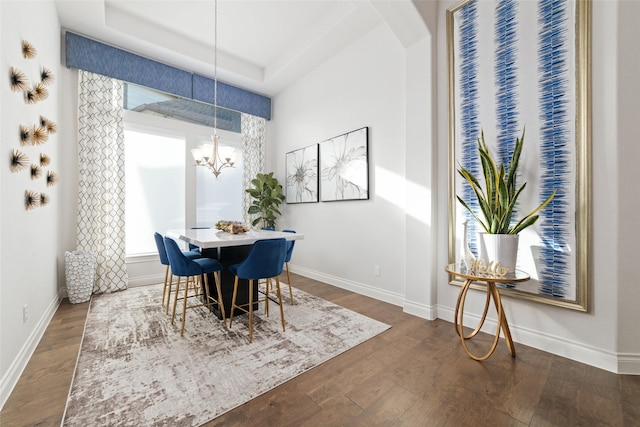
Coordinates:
90 55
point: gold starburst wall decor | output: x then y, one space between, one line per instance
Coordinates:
18 79
49 125
44 160
52 178
28 50
41 91
44 199
39 135
46 76
36 171
30 96
25 135
31 199
19 161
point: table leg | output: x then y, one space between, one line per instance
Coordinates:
503 320
467 284
491 291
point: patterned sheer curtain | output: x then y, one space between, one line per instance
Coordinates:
254 134
101 197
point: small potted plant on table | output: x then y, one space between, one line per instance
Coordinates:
496 201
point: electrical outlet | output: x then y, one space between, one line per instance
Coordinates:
376 270
25 313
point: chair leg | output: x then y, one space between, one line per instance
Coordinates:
207 295
169 290
184 303
280 301
197 289
216 277
286 264
175 301
266 294
233 300
250 310
205 278
164 288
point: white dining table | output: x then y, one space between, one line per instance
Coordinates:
229 249
212 238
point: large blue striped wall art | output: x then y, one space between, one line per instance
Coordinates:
512 68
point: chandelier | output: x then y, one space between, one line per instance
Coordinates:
212 156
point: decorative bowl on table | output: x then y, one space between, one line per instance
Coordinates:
233 227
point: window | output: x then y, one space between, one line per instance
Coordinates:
155 187
164 189
152 102
219 198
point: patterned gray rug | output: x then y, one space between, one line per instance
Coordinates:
135 369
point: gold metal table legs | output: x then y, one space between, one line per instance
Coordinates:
492 291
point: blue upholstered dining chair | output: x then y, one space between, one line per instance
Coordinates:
164 260
265 261
193 270
289 251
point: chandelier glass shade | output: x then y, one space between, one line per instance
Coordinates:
212 156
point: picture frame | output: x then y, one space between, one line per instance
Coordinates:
302 175
534 75
344 167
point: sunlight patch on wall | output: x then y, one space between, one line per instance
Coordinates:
413 198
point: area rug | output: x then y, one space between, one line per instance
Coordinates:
134 368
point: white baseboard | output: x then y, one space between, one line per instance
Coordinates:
613 362
145 280
428 312
629 364
18 365
360 288
419 310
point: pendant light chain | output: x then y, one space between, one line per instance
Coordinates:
208 155
215 67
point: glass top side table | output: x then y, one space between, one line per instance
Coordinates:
492 291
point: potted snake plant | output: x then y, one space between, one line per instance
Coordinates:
497 201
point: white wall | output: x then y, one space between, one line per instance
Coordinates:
628 196
421 168
30 256
381 83
363 85
606 336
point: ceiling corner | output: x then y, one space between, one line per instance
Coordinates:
403 18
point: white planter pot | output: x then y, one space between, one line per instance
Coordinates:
502 248
80 272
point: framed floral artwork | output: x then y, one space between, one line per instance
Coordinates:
302 175
344 167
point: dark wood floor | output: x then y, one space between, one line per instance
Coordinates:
414 374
